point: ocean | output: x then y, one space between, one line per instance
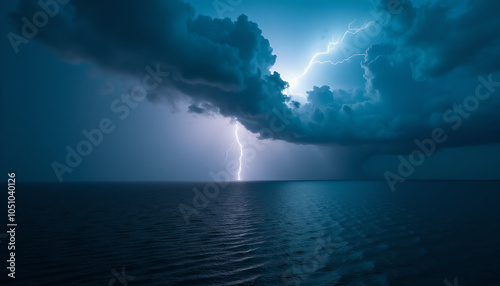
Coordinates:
257 233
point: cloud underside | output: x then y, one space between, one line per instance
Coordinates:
429 60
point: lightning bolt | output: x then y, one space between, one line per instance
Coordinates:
331 46
238 143
241 149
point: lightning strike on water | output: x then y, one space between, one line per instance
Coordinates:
241 150
235 143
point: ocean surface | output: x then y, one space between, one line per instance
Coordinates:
257 233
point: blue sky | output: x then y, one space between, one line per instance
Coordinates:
350 120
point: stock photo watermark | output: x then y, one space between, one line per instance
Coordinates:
455 282
119 107
221 7
454 117
48 9
122 278
11 224
302 271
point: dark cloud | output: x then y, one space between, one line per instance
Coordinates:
320 96
428 60
446 35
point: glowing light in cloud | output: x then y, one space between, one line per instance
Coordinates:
331 46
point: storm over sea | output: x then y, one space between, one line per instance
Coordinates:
257 233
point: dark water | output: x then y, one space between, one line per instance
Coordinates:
273 233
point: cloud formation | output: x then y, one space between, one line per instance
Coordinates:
441 36
427 60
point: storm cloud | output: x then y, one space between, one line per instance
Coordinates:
422 68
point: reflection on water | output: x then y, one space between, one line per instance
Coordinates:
272 233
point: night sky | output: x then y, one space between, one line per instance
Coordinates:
315 90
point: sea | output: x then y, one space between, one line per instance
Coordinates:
256 233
